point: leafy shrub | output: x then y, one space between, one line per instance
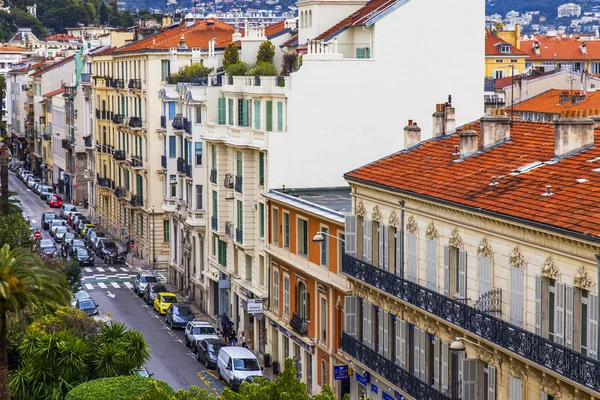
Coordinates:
266 52
240 68
190 73
262 68
119 388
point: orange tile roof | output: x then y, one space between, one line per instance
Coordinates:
549 102
430 171
291 41
54 92
13 49
274 29
62 37
106 52
492 43
195 36
559 49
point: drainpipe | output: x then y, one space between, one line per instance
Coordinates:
598 265
371 35
402 237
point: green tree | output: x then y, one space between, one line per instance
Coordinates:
118 388
190 73
104 13
23 19
262 68
326 394
24 284
231 55
240 68
14 231
266 52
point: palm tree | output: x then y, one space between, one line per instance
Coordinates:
24 284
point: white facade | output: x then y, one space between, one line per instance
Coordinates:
569 10
9 59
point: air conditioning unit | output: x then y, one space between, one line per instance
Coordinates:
229 181
229 229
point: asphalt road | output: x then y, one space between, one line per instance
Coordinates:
110 287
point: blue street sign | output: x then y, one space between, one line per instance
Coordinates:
340 372
361 379
374 388
386 396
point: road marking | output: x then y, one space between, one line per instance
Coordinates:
87 269
102 285
124 269
109 294
111 269
100 269
128 285
115 285
212 374
90 287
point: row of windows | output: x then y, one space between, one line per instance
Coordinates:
249 113
170 111
119 69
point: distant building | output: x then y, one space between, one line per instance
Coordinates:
549 105
502 55
569 10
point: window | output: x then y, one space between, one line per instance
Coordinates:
323 321
302 237
363 52
325 247
489 382
261 169
516 296
222 111
213 160
199 197
166 231
256 114
198 114
230 110
239 164
412 257
261 222
198 153
279 116
172 110
165 69
455 272
323 372
141 224
214 245
286 295
302 301
172 147
286 230
222 254
242 112
505 48
269 115
276 289
275 226
485 275
173 184
215 204
515 388
240 216
431 264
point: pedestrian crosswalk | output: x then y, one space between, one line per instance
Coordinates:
100 278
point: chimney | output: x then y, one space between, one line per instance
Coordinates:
495 129
236 37
595 116
449 117
573 132
412 135
438 121
468 142
196 55
583 48
536 48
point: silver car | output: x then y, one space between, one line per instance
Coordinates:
59 233
141 280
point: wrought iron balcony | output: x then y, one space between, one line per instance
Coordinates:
136 201
135 122
120 191
178 122
299 324
238 183
118 84
187 126
67 144
163 122
213 176
135 84
566 362
120 155
239 236
214 223
188 170
181 165
136 162
88 142
70 91
103 114
97 113
118 119
104 182
163 162
389 370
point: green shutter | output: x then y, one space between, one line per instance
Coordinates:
269 115
214 203
367 52
261 215
240 216
256 114
166 231
360 53
239 163
261 168
213 158
244 112
279 116
230 110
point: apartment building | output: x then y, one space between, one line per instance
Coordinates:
570 51
502 58
10 58
489 286
304 317
549 105
50 144
18 91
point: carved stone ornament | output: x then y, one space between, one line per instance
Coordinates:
549 269
582 280
411 225
377 217
516 258
361 211
394 220
485 356
550 386
455 240
431 233
516 369
485 249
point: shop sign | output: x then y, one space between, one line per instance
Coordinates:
246 292
255 306
399 396
361 379
386 396
340 372
374 388
224 284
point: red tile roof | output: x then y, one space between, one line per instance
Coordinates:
549 102
492 43
62 37
291 41
106 52
13 49
556 49
54 92
431 171
195 36
274 29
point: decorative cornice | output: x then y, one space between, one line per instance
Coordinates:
582 279
361 211
485 355
550 386
516 369
411 225
516 258
377 217
394 220
431 233
455 240
485 249
549 269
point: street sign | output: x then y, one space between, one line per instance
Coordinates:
255 306
37 235
131 245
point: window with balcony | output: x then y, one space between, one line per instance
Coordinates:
455 272
198 110
257 114
165 69
275 226
363 52
286 296
485 274
166 231
242 112
431 268
517 296
302 233
276 289
341 248
222 114
199 205
173 184
198 153
325 247
215 203
323 330
240 216
269 115
286 230
323 372
261 220
303 301
222 253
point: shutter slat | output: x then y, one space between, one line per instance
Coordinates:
432 264
417 350
412 257
380 245
469 382
380 332
593 326
436 363
386 340
402 344
538 305
350 315
462 274
559 314
447 271
491 389
445 350
350 235
386 248
424 337
485 275
569 327
399 250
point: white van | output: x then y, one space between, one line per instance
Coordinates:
236 364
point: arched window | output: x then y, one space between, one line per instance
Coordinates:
323 372
309 18
302 19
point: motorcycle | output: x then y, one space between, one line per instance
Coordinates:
115 258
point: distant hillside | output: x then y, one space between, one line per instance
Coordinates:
547 8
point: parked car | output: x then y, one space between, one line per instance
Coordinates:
45 192
163 301
72 215
82 294
196 331
55 224
93 242
75 217
84 225
142 279
75 244
236 364
83 256
55 201
59 233
208 351
151 290
88 306
47 248
178 315
106 246
68 236
66 209
36 187
91 234
141 371
47 218
31 180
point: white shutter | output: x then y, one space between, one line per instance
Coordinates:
386 247
399 250
593 326
445 350
447 271
469 383
485 275
491 389
380 238
462 274
559 314
569 327
516 296
350 315
538 304
401 343
436 363
422 358
461 357
515 388
417 350
412 257
386 335
432 264
370 324
367 240
365 316
380 331
350 235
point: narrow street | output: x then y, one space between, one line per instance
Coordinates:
111 287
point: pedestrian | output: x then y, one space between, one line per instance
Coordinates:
233 338
242 339
224 323
127 242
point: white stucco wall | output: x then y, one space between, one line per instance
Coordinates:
345 113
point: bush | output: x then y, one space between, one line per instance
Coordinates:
262 68
240 68
190 73
119 388
266 52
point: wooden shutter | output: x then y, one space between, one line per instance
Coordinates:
401 343
280 116
399 250
380 238
515 388
350 315
485 275
469 382
462 274
491 389
436 363
559 314
516 296
446 271
380 331
422 358
593 326
244 112
350 233
360 52
367 240
412 257
364 322
386 334
432 264
386 247
461 357
417 350
538 304
445 351
569 327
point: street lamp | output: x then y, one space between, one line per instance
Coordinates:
318 238
459 345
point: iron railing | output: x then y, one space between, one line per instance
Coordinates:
490 302
187 126
120 191
188 170
47 136
163 122
135 122
178 122
120 155
136 201
135 84
299 324
118 118
67 144
136 162
555 357
118 84
181 164
163 162
104 182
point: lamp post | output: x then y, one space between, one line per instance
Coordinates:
153 243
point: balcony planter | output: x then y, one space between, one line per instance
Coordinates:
275 367
267 359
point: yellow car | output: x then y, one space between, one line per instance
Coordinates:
163 301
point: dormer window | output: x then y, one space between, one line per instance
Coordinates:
505 48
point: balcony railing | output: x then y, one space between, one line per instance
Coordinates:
70 91
104 182
238 183
47 136
120 155
187 126
135 84
214 223
298 323
181 165
566 362
389 370
67 144
188 170
88 142
120 191
97 113
135 122
136 162
163 122
239 236
178 122
213 176
117 84
163 162
118 119
136 201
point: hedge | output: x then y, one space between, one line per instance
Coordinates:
118 388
